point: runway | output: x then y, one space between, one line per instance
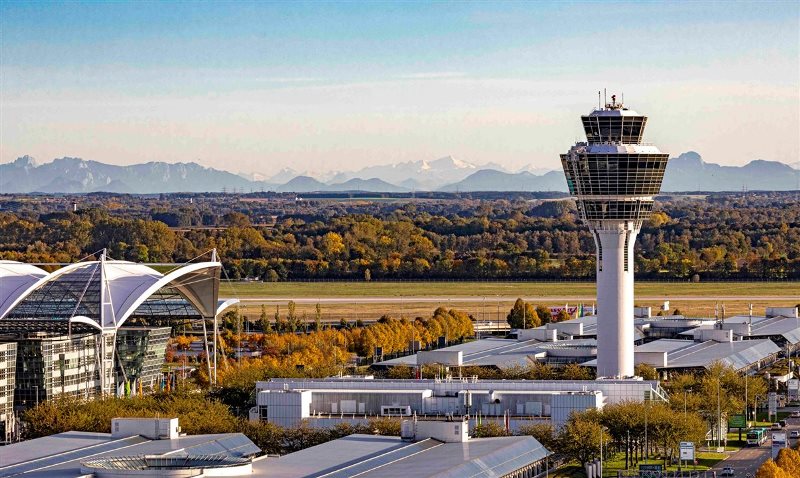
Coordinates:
493 298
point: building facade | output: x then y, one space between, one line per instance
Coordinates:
323 402
8 363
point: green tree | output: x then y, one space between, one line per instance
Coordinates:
318 317
646 371
523 316
562 316
544 314
264 320
280 324
574 371
543 432
579 439
489 429
291 316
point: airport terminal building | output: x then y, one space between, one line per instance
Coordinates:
93 328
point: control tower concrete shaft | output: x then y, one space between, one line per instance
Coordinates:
614 178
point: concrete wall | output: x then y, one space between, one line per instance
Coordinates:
791 312
542 334
717 335
285 408
456 431
656 359
454 358
152 428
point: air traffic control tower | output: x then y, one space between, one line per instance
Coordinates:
614 177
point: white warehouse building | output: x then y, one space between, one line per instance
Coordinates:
326 402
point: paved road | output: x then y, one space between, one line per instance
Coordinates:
489 299
746 461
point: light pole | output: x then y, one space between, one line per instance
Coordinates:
601 451
746 415
755 406
719 418
684 404
646 408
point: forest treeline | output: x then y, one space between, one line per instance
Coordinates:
756 236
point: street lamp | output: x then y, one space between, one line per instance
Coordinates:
601 450
719 417
684 404
646 445
755 406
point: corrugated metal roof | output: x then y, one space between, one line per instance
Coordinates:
498 352
389 457
686 354
61 455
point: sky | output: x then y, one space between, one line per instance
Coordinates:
319 86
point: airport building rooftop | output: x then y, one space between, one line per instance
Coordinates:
390 457
134 451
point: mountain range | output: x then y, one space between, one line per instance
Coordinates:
687 172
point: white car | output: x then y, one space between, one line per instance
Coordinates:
794 434
727 471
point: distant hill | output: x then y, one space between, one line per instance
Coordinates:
372 185
420 175
301 184
687 172
491 180
75 175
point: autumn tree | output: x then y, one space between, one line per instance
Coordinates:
646 371
264 320
318 317
579 438
544 314
523 316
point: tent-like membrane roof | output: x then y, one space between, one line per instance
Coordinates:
104 294
15 279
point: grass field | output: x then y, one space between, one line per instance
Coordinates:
493 289
490 301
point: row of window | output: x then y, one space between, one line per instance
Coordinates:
615 174
624 129
615 210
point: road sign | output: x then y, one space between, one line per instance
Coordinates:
687 450
737 421
778 442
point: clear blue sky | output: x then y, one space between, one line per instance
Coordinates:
256 86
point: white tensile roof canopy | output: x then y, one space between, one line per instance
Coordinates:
15 279
106 293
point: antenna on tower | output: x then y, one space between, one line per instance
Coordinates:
599 105
622 100
605 97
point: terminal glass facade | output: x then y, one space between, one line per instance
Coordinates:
8 362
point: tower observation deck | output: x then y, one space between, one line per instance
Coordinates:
613 177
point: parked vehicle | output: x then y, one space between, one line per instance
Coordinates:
727 471
776 426
794 434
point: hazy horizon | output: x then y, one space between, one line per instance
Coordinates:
256 87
